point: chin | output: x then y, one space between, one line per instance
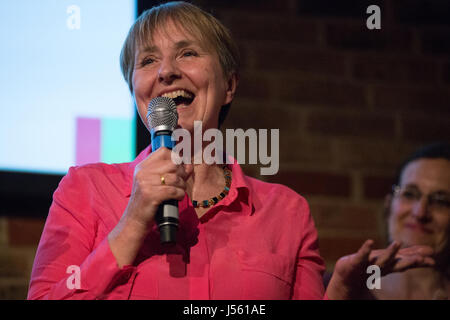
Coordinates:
414 239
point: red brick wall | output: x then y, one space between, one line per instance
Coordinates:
350 105
18 241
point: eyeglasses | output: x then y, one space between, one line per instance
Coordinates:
436 201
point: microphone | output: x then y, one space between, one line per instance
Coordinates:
162 119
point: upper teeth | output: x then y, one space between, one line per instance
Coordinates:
178 93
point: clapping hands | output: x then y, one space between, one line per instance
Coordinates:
349 276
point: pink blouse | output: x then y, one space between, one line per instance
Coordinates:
259 242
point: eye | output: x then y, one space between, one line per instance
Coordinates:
189 53
410 194
441 201
145 61
444 203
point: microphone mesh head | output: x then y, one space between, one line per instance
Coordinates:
162 111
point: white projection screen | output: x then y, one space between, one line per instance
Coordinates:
63 100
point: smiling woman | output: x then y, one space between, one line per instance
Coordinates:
197 28
104 215
419 214
177 64
238 237
180 97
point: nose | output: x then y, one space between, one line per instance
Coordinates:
168 71
421 210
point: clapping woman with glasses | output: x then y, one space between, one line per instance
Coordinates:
416 263
418 212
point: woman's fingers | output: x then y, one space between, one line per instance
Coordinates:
358 261
412 257
411 261
156 179
184 170
188 170
162 153
364 252
350 271
417 249
171 192
170 179
387 256
397 259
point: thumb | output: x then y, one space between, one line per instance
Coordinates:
362 256
189 169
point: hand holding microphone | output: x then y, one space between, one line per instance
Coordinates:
157 181
162 118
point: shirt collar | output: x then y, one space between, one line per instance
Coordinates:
239 189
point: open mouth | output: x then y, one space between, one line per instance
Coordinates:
182 98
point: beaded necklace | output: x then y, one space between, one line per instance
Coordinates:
223 194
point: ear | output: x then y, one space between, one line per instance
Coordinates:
232 84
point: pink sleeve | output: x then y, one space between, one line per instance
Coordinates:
65 252
310 265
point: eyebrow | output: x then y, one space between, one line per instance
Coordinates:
414 186
442 193
411 185
178 45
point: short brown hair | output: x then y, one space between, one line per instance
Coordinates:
194 20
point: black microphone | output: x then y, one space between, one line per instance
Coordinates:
162 119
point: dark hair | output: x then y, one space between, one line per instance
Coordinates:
435 150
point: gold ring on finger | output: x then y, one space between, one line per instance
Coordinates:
163 180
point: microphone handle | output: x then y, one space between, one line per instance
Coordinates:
167 215
167 220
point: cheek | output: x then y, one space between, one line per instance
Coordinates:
218 90
211 76
397 215
206 79
140 105
443 224
142 88
142 111
441 237
142 83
